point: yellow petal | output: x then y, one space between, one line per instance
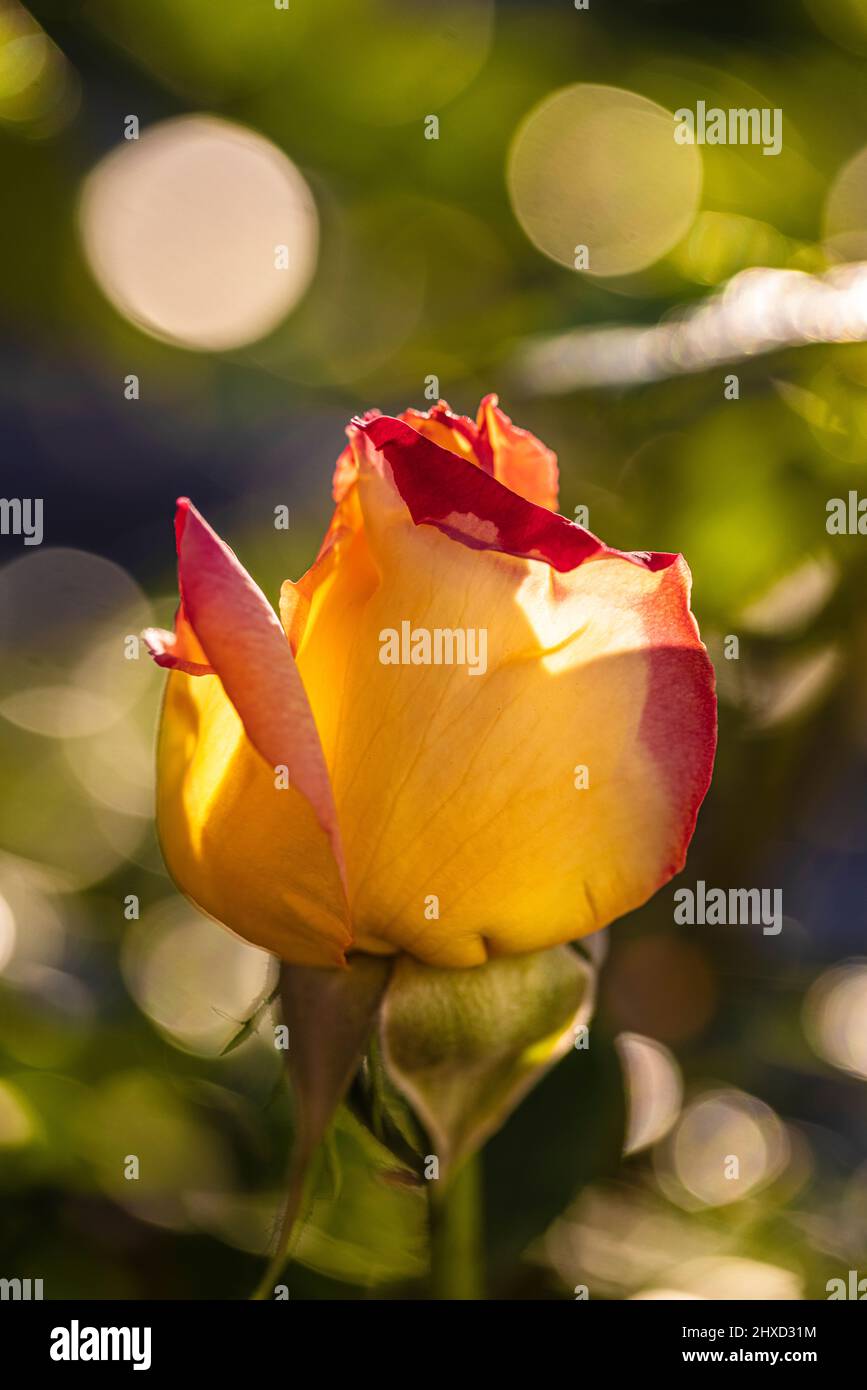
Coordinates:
251 854
457 793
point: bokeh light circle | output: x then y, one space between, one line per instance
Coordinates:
65 615
196 981
835 1017
201 232
727 1145
727 1277
598 166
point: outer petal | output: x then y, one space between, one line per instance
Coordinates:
513 456
179 650
520 460
462 788
264 858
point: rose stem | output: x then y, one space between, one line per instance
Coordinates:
455 1233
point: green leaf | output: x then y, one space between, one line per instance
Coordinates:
377 1232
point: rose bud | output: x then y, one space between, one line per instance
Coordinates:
475 730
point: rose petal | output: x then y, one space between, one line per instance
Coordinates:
462 787
222 743
250 853
469 505
521 461
179 650
513 456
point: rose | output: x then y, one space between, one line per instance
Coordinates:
315 798
342 778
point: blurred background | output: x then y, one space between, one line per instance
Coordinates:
227 228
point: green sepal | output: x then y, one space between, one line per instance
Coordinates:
329 1015
465 1046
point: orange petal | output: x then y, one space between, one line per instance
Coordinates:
520 460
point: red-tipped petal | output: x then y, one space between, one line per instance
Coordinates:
518 458
179 650
468 505
242 641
